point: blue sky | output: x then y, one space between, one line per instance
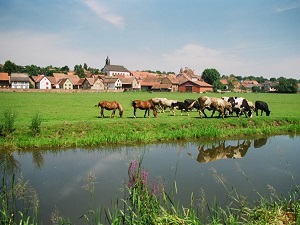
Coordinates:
241 37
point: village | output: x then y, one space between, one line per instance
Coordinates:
117 78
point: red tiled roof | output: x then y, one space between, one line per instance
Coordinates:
162 86
4 76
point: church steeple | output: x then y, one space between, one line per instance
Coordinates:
107 61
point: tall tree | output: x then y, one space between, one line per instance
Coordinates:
287 85
79 71
32 70
10 67
211 76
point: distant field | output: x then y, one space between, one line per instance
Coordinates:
72 118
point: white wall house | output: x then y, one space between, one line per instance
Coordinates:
98 85
65 83
112 83
42 82
19 81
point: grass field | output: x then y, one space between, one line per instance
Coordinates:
71 119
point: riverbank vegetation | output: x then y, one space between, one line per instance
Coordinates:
54 120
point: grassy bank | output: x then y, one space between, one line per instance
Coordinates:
71 119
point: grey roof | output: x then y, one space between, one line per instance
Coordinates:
16 77
117 68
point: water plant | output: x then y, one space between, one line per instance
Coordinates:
19 200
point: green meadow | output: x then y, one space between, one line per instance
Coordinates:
71 119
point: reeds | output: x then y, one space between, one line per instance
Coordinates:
19 201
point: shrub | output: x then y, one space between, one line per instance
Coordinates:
7 125
35 126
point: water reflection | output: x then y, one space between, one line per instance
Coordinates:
58 175
222 151
260 142
9 162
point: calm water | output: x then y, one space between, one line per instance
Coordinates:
58 176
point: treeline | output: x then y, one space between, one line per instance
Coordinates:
33 70
281 84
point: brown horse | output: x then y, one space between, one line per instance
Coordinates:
114 105
144 105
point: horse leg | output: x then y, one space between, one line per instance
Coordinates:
113 113
134 111
101 113
146 110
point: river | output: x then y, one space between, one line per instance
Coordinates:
253 166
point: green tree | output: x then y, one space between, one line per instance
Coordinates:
211 76
65 69
10 67
32 70
287 85
79 71
85 66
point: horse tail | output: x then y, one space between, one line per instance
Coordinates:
98 105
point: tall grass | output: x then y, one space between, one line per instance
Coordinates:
19 200
35 125
7 125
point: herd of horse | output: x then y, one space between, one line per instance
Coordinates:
161 104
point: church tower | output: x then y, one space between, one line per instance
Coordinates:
107 61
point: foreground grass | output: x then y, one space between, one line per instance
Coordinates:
71 119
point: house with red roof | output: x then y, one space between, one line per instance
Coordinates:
189 82
65 83
42 82
4 80
61 78
195 86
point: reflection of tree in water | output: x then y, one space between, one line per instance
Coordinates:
9 163
223 151
37 159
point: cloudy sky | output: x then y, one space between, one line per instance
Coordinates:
240 37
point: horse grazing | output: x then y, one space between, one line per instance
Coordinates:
114 105
144 105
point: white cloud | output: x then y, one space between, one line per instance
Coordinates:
26 48
103 12
199 58
287 7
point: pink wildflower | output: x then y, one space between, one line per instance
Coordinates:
144 176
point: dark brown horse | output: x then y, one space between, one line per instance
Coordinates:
144 105
114 105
